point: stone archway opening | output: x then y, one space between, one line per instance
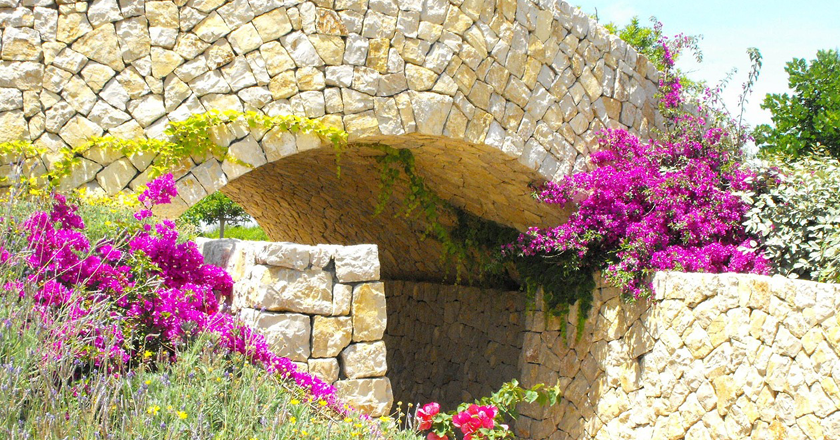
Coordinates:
445 342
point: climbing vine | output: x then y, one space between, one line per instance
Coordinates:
192 137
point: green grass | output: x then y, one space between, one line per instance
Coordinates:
206 394
253 233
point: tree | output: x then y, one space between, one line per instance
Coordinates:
809 120
216 208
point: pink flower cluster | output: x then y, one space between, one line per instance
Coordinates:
142 314
475 418
655 205
470 421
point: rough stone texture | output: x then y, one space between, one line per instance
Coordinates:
718 356
372 396
368 311
451 344
364 359
330 335
287 333
270 278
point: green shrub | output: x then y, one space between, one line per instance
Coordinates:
252 233
797 211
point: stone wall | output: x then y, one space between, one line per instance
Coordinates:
451 344
320 306
720 357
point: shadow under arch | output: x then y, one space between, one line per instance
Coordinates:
301 198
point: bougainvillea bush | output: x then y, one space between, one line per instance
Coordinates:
157 290
667 204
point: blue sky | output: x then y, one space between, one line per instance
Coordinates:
780 29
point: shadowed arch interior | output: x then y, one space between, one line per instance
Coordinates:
301 198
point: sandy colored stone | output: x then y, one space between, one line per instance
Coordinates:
330 335
325 369
369 312
288 334
371 396
365 359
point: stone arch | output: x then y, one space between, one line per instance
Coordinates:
533 80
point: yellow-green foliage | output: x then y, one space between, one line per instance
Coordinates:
189 138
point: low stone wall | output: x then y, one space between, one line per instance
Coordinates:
320 306
451 344
720 357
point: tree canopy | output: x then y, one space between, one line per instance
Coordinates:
216 208
808 120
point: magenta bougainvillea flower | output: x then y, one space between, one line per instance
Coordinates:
159 292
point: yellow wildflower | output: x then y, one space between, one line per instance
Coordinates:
153 410
182 415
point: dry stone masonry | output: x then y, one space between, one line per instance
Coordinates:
490 95
717 356
451 344
320 306
720 357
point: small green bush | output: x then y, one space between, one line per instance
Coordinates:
252 233
797 211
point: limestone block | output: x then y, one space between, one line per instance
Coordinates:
115 94
330 335
147 109
13 126
79 131
325 369
23 75
82 172
357 263
164 61
301 50
288 255
10 99
365 359
330 48
236 13
369 312
162 14
189 46
21 44
342 298
371 396
103 11
283 85
210 175
238 74
287 333
430 111
273 25
97 75
245 39
209 82
211 28
116 176
247 151
134 39
281 289
46 23
72 26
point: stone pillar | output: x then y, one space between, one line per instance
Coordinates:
322 307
